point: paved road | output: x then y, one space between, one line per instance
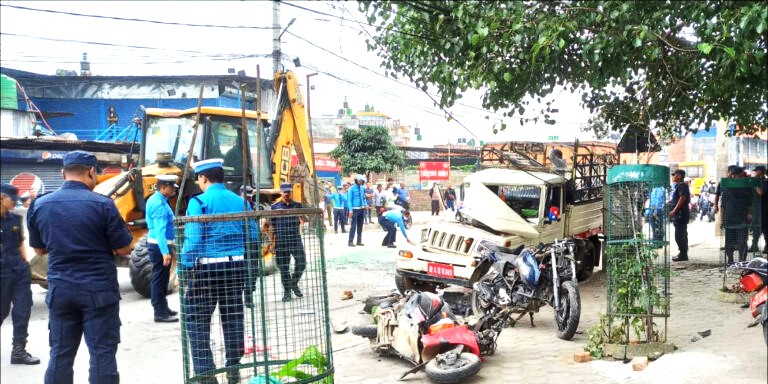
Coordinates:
151 353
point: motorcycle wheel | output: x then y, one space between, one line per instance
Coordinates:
567 318
465 366
368 331
475 300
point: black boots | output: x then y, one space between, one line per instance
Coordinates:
19 355
287 296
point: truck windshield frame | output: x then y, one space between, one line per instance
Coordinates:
525 200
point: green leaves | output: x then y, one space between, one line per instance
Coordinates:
676 65
705 48
367 150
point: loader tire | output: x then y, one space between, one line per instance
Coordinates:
140 268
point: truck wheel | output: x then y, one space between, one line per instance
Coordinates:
587 250
140 270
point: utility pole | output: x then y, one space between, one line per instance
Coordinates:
276 36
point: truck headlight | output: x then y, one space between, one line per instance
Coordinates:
482 248
424 235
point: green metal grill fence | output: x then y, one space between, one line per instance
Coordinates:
637 252
236 325
740 220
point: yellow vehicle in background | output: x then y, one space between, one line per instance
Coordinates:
166 137
699 171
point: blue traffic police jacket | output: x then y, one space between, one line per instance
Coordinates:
80 229
159 221
356 197
339 200
11 238
218 239
396 216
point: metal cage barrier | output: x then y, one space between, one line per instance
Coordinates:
637 252
740 221
234 271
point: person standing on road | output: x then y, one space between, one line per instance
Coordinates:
736 205
379 199
656 205
288 243
763 192
434 196
213 256
369 194
339 206
81 230
388 220
15 281
357 205
328 200
160 245
680 213
450 199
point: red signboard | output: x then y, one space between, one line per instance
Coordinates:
321 164
434 171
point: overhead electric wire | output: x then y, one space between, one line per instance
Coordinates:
136 20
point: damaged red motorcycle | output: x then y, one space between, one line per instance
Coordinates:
422 329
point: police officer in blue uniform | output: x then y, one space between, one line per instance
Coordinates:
159 216
288 243
81 231
339 205
388 220
357 205
14 275
213 257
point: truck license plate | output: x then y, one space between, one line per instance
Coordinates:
440 270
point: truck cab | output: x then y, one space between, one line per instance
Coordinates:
508 206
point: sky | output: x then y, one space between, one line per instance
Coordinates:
209 37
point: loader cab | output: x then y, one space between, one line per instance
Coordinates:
220 136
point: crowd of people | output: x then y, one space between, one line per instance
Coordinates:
739 216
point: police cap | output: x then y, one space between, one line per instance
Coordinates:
10 190
205 165
167 180
286 187
80 158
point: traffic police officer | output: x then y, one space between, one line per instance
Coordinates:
388 220
339 205
357 205
14 275
81 231
213 257
159 242
287 243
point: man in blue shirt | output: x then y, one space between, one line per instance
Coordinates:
357 206
656 204
369 194
159 216
81 231
388 220
14 275
287 243
339 204
213 259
